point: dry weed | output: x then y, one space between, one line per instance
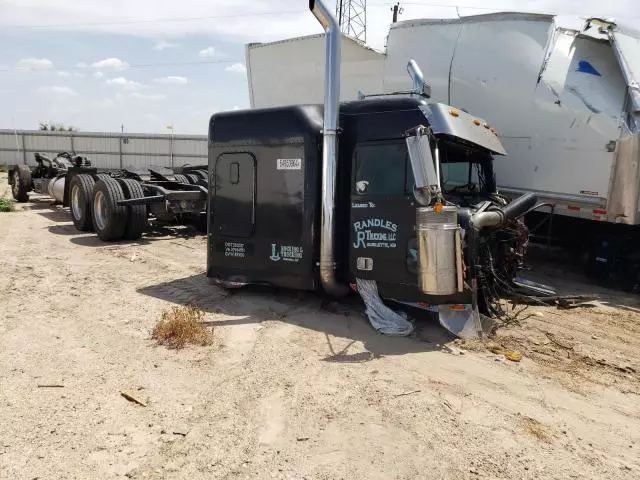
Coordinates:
537 429
180 326
7 204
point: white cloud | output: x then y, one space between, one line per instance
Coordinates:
56 90
172 80
34 63
207 52
260 21
98 74
237 68
69 74
104 104
81 65
152 97
115 63
124 83
162 45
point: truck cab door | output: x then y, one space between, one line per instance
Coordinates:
382 212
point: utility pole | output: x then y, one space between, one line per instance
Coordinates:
397 10
352 17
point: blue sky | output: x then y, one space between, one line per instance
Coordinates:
144 64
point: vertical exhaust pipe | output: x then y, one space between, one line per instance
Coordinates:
416 76
419 87
329 147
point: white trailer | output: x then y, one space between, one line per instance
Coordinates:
566 102
292 71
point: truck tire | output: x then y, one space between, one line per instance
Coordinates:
109 218
204 178
202 174
179 178
193 178
136 214
102 176
80 201
21 183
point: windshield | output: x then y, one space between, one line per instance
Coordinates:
467 178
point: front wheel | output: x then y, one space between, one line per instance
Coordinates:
21 183
109 218
80 199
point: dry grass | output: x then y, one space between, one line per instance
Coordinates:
180 326
536 429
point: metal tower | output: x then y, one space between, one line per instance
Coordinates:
352 17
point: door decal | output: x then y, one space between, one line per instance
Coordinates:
375 233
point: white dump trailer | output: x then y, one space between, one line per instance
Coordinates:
566 102
292 71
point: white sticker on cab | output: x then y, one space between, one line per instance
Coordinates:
289 164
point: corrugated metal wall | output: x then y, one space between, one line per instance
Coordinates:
105 150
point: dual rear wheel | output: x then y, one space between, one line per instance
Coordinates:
94 206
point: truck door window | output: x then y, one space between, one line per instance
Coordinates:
381 168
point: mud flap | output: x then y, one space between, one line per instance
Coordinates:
464 321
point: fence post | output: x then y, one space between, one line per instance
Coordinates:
24 150
120 145
171 148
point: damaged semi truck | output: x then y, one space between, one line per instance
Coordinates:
364 193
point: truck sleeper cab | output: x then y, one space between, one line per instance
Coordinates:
264 204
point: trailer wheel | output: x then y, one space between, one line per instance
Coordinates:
109 218
137 214
202 174
193 178
80 200
204 178
102 176
180 178
21 183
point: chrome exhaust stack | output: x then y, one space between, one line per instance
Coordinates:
329 146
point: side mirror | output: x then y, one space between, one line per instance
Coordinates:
424 169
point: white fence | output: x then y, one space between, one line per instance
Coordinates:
105 150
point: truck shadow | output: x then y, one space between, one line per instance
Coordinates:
343 319
566 274
90 239
37 203
57 215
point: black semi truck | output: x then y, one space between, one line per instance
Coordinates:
390 188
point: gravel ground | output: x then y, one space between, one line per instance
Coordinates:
293 387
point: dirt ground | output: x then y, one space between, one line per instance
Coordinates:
293 387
